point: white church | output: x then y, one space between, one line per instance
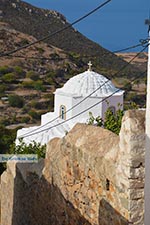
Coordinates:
81 94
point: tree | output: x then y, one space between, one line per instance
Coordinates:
111 122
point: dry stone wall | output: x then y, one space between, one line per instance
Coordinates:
90 177
132 141
84 169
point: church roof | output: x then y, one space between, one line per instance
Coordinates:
87 82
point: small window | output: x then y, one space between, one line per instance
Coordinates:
113 109
62 112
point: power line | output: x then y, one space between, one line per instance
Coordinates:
82 111
142 43
90 93
30 133
56 32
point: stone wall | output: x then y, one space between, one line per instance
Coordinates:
90 177
132 141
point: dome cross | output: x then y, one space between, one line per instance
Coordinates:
90 66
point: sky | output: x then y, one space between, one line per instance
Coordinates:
119 24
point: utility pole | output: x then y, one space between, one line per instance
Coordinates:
147 153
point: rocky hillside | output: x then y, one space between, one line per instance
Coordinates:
39 57
40 22
29 77
140 61
33 76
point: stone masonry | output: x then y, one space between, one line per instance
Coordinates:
89 177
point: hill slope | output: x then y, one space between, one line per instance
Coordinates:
40 22
34 73
39 57
140 61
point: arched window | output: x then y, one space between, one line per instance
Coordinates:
113 109
62 112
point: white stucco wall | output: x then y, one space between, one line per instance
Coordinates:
47 117
96 111
112 101
63 100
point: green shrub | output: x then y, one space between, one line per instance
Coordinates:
25 109
32 148
37 105
6 140
55 56
128 86
49 96
5 121
32 75
2 88
34 114
40 50
131 105
111 122
28 84
25 119
38 85
19 71
33 103
129 96
5 69
16 101
9 77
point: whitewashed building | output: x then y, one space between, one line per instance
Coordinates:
83 93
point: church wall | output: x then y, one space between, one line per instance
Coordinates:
47 117
63 100
96 111
90 177
116 101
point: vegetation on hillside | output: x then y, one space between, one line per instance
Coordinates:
25 95
39 22
29 77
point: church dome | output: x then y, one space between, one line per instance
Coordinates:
87 82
